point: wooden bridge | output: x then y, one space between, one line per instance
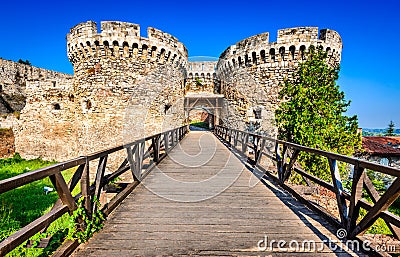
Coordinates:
212 195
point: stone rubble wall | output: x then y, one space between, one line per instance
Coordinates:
13 79
252 70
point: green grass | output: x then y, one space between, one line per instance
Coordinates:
200 124
22 205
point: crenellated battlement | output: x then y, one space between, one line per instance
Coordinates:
122 40
290 48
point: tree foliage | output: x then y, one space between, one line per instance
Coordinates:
312 113
390 130
27 62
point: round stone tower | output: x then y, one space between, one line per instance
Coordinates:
252 70
124 87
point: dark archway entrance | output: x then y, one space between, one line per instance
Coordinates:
209 103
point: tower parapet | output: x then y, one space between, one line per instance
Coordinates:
121 40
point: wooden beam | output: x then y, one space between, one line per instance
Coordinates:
85 188
63 191
131 160
373 193
101 168
76 177
28 177
355 197
31 229
289 167
391 194
337 183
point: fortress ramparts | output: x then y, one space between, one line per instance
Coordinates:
126 86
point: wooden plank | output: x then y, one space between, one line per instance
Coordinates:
371 191
66 249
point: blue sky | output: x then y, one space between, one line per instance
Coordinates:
36 30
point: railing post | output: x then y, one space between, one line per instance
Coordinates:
156 147
281 159
259 153
85 187
131 153
99 179
166 141
337 183
245 139
356 195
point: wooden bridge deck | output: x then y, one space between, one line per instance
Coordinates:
202 201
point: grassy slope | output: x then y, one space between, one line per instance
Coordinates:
25 204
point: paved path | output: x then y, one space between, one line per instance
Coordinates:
202 201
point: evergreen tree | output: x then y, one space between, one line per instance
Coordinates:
312 113
390 130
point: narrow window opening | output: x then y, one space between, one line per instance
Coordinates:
272 54
292 50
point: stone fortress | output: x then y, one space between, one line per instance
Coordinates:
126 86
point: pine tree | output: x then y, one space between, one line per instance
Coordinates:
312 113
390 130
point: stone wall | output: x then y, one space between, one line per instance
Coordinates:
13 79
252 70
201 78
124 87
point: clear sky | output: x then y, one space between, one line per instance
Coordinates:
36 30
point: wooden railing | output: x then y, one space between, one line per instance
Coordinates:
284 155
141 157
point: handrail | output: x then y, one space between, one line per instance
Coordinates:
159 145
349 203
